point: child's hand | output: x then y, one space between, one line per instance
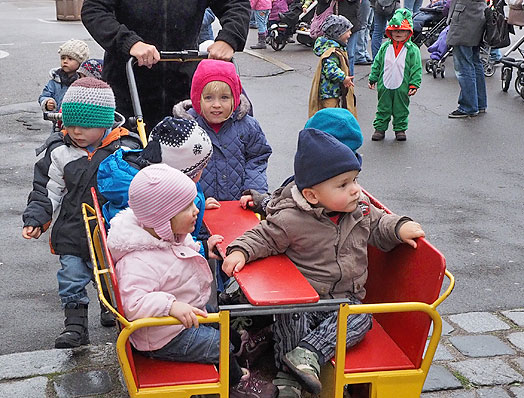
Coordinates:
50 104
212 203
412 91
246 201
31 232
409 231
212 241
348 81
372 85
233 263
146 54
186 313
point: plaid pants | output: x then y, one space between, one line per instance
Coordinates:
318 329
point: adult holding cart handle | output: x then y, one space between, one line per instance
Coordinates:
125 28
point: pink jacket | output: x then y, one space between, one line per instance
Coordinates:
260 4
152 274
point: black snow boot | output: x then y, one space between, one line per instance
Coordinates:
75 333
107 318
261 42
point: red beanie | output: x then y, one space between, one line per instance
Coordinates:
210 70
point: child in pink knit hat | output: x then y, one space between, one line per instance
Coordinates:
161 273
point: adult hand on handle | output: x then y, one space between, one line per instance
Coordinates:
146 54
220 50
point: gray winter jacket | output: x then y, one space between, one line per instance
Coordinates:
466 22
332 257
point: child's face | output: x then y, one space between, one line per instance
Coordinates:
217 105
340 193
68 64
344 37
85 136
184 222
400 35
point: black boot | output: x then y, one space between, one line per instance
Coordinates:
75 333
261 42
107 318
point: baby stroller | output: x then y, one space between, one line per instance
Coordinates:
281 32
429 29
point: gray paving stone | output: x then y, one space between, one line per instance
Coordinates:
442 353
35 363
451 394
83 384
517 339
439 378
481 346
478 322
34 388
495 392
516 316
520 363
446 328
487 371
517 391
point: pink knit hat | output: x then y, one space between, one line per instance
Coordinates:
158 193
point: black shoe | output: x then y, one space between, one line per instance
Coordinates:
365 62
75 333
378 135
400 135
458 114
107 318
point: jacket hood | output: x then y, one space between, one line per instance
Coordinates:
323 43
209 70
126 236
289 196
182 110
402 20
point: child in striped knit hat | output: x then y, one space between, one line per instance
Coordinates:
62 182
161 273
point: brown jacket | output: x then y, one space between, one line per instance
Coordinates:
348 101
332 257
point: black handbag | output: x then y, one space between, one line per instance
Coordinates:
496 33
386 7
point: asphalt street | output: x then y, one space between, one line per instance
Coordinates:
461 179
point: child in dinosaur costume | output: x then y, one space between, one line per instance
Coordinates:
397 73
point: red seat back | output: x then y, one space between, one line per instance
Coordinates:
403 275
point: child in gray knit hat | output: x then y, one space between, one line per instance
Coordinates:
332 85
72 53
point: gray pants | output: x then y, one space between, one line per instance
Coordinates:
318 329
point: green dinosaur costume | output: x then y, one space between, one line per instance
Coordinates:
397 68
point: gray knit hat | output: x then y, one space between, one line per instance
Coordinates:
91 68
335 25
76 49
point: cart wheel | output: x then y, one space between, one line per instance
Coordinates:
505 75
435 71
518 84
428 66
489 69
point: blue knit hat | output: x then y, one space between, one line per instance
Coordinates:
319 157
340 123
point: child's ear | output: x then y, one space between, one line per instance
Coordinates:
310 195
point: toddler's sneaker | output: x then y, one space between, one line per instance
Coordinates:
304 365
250 386
400 135
288 386
254 344
378 135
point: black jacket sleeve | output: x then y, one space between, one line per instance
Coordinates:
234 17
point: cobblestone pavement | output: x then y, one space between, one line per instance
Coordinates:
481 355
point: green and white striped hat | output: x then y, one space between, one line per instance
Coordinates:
88 103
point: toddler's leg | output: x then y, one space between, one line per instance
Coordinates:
400 109
384 110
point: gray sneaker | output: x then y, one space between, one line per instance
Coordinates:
304 365
288 386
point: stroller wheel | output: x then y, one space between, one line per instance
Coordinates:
429 66
506 78
518 84
436 70
489 69
442 69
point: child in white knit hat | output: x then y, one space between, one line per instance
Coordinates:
72 53
179 143
61 184
160 273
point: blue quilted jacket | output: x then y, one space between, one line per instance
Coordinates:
240 153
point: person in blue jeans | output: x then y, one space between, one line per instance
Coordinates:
413 5
466 26
362 56
380 22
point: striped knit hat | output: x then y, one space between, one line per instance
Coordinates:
88 103
91 68
158 193
76 49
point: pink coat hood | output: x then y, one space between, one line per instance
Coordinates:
152 274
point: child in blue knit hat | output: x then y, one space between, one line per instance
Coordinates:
61 184
323 222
